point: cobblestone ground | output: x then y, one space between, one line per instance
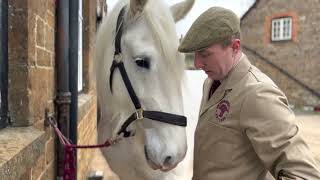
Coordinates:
310 127
99 164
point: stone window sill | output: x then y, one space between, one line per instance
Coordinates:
20 147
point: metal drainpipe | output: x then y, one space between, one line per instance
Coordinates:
63 93
4 63
73 70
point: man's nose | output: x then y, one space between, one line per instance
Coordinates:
197 62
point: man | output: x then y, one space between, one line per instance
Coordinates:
246 131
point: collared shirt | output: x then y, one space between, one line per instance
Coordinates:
214 87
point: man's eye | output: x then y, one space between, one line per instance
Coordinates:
142 62
204 55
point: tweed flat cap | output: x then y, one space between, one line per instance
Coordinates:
212 26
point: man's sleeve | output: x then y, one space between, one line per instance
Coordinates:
270 126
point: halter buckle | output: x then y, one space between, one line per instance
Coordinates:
117 57
139 114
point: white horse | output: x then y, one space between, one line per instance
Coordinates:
156 70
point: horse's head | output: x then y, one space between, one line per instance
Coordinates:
155 68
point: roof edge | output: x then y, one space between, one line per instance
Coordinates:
247 12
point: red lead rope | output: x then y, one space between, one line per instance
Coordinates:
69 150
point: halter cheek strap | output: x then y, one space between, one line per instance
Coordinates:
117 53
140 113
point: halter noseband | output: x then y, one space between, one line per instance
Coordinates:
140 113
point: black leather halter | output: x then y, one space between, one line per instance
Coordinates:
140 113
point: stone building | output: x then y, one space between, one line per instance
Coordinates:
28 148
281 38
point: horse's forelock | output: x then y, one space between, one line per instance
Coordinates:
162 25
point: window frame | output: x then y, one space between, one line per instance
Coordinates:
80 48
284 24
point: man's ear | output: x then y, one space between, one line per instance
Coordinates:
236 45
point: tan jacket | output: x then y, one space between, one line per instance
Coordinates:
246 131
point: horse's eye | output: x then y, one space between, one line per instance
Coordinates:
143 62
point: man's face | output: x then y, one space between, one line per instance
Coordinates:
216 60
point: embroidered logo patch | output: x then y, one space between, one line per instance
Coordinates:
222 110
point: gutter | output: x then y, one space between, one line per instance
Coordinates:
67 75
63 98
73 71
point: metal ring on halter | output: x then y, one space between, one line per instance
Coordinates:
139 114
118 57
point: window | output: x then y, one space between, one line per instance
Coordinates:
80 70
281 29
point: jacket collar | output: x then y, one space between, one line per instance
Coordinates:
233 77
237 73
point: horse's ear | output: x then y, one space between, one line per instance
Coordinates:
180 10
136 6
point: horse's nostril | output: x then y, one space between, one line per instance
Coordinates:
167 161
145 153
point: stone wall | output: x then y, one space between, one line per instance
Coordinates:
298 56
27 147
31 59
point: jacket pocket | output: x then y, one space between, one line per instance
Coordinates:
222 149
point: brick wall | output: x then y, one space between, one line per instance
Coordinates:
298 57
